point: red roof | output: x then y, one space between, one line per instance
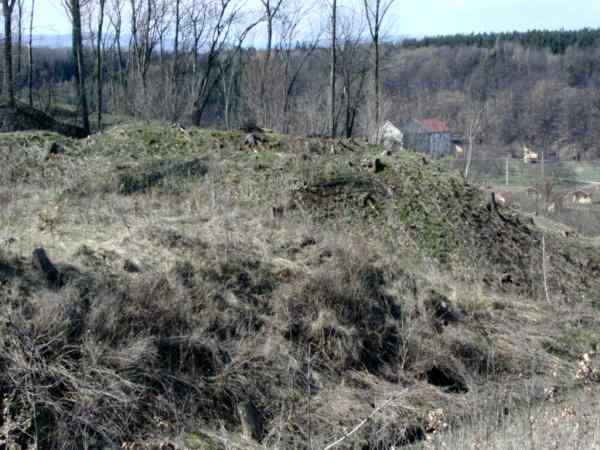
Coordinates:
434 125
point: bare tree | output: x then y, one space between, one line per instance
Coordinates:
74 9
7 9
226 13
163 27
353 66
20 6
30 52
176 59
143 35
271 10
473 127
294 60
375 13
230 73
198 18
99 62
116 20
333 74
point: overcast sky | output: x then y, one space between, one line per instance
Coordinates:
429 17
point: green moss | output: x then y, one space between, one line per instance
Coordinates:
159 173
578 340
199 441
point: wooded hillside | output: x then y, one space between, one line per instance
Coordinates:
191 61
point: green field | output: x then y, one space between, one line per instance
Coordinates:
494 171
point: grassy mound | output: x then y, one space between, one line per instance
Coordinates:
217 295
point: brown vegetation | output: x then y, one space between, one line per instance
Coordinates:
189 314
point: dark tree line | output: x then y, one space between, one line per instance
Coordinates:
556 41
528 96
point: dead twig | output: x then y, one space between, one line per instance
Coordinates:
544 268
361 424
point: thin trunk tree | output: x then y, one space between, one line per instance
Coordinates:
198 17
99 63
332 112
176 60
473 126
20 5
271 10
116 19
375 12
220 31
30 53
74 8
7 9
294 61
353 66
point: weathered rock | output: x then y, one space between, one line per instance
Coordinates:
252 423
252 139
373 165
42 263
131 267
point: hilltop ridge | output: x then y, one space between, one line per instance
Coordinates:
216 291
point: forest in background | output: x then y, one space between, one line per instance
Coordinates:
190 61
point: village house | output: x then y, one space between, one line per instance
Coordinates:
431 136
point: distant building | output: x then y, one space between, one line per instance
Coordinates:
431 136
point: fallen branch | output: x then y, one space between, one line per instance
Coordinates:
361 424
544 269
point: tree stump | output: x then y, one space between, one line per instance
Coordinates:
252 426
55 150
373 165
42 263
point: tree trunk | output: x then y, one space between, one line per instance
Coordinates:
79 64
120 52
469 159
30 72
99 64
20 39
265 104
348 108
7 9
333 67
377 93
176 62
375 17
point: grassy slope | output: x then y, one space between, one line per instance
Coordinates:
255 261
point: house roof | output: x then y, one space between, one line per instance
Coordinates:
434 125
